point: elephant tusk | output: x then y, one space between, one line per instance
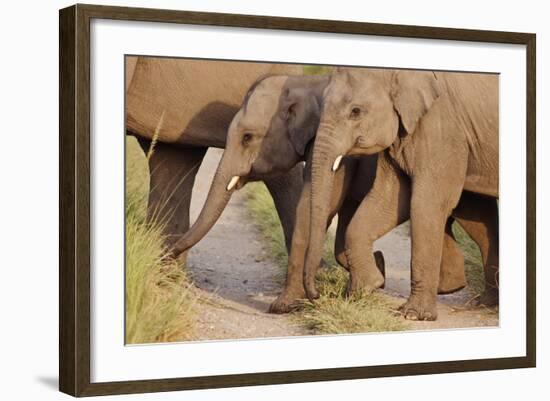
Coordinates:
234 180
337 162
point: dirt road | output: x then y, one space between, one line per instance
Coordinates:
238 281
231 267
451 308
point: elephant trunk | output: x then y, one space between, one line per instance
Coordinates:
223 185
322 179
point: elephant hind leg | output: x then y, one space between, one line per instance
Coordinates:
344 217
285 190
172 172
478 215
452 275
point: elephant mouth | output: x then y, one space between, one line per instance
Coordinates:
232 182
337 162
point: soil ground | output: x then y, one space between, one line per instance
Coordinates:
237 281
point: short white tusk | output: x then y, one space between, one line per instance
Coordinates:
336 163
234 180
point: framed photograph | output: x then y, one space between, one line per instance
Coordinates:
250 200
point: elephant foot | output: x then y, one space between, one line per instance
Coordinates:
313 294
287 301
419 308
451 279
367 282
356 288
488 298
442 290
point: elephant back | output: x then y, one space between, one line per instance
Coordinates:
189 101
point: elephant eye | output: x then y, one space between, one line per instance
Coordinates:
247 137
355 113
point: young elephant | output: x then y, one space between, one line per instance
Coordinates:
269 135
439 137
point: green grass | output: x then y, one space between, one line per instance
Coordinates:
261 207
332 313
159 299
473 263
316 69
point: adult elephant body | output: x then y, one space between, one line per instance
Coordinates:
187 106
438 138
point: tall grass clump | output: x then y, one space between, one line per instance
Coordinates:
332 313
159 298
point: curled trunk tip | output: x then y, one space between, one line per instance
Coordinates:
216 201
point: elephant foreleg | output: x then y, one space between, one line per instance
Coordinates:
385 207
294 288
172 173
435 193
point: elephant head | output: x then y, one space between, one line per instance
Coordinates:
267 136
364 111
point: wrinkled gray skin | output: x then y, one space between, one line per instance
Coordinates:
438 136
352 182
270 134
190 104
267 137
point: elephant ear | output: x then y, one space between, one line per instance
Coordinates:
413 93
301 111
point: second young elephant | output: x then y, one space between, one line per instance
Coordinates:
270 134
438 138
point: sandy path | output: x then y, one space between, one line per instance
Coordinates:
238 281
452 312
230 266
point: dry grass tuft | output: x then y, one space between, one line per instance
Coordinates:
333 313
156 134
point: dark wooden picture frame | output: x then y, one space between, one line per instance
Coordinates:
74 204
